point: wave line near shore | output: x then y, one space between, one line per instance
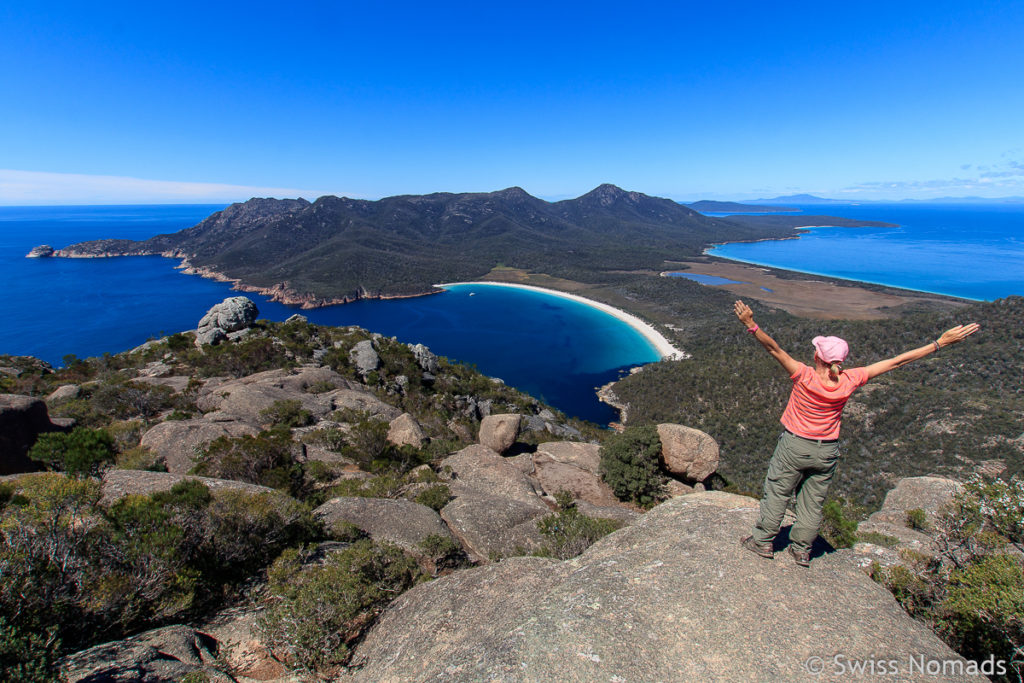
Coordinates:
662 345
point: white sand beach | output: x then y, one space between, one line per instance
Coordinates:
661 345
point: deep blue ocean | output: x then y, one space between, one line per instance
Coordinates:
970 251
552 348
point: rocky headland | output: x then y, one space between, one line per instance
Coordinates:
337 250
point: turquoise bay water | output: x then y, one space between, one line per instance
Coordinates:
553 348
970 251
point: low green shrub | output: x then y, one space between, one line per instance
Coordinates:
568 532
630 465
839 522
443 553
266 459
434 497
286 413
317 611
27 657
917 519
82 452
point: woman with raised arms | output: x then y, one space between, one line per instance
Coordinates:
807 453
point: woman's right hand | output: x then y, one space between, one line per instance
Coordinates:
958 334
744 313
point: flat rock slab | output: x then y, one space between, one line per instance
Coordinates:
178 442
162 655
246 398
671 598
120 483
491 526
583 485
400 521
586 456
483 470
929 494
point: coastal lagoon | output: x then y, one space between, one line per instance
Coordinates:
973 251
551 347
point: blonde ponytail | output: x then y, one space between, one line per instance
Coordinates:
834 368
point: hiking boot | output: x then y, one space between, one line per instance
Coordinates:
758 548
801 557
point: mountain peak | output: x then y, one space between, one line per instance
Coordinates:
514 192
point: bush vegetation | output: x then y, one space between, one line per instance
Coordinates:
76 573
630 465
82 452
972 593
568 532
317 611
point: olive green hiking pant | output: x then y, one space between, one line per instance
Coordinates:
802 467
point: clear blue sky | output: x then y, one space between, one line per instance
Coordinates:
110 101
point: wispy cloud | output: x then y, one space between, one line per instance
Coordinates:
1003 179
35 187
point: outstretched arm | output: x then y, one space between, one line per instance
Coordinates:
950 336
746 317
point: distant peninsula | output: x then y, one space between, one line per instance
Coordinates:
709 206
336 249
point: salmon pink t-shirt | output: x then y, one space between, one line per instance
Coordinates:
815 410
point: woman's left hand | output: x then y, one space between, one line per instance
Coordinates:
958 334
744 313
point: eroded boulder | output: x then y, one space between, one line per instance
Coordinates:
688 452
499 432
490 526
231 315
404 430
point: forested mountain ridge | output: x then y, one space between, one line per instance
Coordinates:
338 248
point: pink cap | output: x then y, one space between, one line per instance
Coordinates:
831 349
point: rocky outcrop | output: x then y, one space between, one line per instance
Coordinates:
22 420
404 430
671 598
162 655
426 359
231 315
177 442
246 398
928 494
495 508
400 521
64 392
499 432
120 483
364 357
42 251
688 452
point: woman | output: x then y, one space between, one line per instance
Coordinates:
806 456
